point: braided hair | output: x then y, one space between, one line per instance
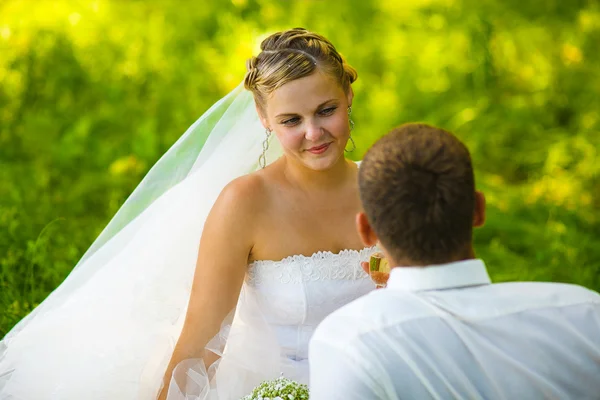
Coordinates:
290 55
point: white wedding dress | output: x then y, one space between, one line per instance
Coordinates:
109 330
282 303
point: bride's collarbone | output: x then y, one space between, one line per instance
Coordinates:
311 215
280 235
292 222
292 201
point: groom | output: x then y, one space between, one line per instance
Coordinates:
441 329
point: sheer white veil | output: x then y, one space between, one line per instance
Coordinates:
120 311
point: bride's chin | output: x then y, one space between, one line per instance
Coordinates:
321 163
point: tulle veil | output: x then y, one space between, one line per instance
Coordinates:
109 329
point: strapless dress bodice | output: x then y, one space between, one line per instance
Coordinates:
298 292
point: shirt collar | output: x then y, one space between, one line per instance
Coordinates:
436 277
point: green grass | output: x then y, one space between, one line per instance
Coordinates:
92 93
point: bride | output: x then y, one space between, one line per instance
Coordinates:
147 312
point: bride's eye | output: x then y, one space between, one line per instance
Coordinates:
327 111
291 121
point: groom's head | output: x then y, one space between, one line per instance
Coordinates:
418 193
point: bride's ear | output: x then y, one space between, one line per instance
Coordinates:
350 96
365 231
262 117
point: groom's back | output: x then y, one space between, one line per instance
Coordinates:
502 341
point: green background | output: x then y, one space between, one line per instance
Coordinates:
93 92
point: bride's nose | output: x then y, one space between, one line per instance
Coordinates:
314 131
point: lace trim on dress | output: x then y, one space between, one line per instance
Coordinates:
322 265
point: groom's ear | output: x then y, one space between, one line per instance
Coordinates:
365 231
479 211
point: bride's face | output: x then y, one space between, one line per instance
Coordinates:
309 117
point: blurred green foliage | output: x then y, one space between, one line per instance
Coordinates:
93 92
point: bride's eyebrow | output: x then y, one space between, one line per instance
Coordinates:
294 114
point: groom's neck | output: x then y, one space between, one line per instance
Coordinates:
467 254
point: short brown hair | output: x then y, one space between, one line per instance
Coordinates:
418 192
290 55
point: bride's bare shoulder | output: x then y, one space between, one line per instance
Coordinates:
246 193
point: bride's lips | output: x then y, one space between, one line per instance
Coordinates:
319 149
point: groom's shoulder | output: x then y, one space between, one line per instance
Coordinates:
370 313
382 309
538 292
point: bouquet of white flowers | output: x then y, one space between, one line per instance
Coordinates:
279 389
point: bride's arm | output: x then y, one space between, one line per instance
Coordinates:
222 260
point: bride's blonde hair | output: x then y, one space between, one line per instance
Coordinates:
290 55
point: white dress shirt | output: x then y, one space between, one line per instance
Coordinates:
446 332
